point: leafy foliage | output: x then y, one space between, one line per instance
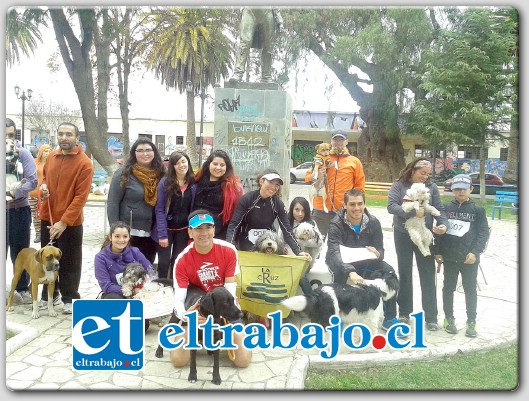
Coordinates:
22 32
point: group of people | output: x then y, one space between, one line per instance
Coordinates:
196 221
348 223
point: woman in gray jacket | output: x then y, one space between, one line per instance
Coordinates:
417 171
133 193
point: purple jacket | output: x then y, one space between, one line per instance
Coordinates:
108 265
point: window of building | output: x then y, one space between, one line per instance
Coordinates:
179 140
418 151
472 152
503 154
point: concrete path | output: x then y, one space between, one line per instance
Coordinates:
40 358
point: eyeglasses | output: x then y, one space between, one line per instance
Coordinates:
144 151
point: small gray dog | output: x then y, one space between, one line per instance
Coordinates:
135 277
270 242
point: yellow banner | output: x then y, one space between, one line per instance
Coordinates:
266 280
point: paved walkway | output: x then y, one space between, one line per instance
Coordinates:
44 362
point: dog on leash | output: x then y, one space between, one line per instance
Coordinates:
135 278
359 303
419 195
43 268
270 242
321 161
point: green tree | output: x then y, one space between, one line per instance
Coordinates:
23 32
464 81
192 46
384 43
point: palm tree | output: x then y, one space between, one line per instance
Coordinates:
191 47
22 32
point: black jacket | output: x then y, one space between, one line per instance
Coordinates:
340 233
254 212
455 248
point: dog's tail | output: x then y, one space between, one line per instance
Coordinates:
297 303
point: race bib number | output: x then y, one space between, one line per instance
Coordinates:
255 233
457 227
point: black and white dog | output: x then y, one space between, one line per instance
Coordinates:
270 242
359 303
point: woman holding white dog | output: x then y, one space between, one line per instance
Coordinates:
418 171
257 211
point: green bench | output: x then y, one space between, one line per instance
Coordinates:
504 200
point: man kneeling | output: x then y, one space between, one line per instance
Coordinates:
205 263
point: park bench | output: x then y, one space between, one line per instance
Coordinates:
504 200
385 187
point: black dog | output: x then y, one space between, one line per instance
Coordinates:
218 303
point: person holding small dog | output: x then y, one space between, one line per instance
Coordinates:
257 211
18 211
355 227
459 250
417 171
344 172
218 189
176 192
116 253
65 188
133 194
205 264
299 212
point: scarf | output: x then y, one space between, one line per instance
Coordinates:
149 178
339 151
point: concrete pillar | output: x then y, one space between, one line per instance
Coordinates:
253 124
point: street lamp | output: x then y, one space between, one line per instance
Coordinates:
23 97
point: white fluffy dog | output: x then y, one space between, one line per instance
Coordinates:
309 239
269 242
418 195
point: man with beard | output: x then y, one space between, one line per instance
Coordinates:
66 184
344 172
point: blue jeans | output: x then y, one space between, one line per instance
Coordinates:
18 223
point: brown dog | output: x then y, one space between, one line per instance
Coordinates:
43 268
319 175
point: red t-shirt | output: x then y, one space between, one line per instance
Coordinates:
206 271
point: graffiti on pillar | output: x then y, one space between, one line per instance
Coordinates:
249 160
230 105
249 184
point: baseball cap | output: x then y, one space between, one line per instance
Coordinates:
462 181
273 176
198 219
338 132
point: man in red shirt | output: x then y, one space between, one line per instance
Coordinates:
206 263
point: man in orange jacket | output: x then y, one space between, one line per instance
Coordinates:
65 187
345 172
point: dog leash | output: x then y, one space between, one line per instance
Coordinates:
39 205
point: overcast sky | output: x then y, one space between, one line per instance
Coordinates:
149 98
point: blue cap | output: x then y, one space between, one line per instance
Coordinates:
198 219
461 181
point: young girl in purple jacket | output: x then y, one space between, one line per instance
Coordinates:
111 260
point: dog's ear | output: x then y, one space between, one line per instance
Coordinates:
59 253
207 305
38 256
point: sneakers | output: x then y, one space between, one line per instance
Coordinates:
43 303
471 329
26 297
386 324
450 325
67 309
432 326
404 319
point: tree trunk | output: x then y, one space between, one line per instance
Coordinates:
191 138
482 187
382 157
511 172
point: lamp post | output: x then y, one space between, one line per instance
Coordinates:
23 97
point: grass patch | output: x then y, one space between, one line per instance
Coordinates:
494 369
